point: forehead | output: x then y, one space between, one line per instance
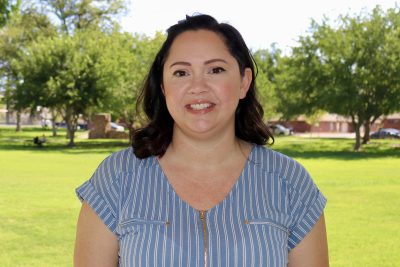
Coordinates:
198 43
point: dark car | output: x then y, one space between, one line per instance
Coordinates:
386 133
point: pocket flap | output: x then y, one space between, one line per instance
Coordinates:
279 221
133 224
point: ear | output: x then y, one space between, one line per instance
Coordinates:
245 83
162 89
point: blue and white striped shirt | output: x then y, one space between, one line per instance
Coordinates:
269 210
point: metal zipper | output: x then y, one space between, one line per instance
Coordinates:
205 236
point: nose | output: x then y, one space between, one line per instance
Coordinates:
198 85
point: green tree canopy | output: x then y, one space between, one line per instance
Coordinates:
7 8
24 28
142 51
266 61
72 70
75 15
73 74
352 69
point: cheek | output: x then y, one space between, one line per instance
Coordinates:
230 91
175 90
173 96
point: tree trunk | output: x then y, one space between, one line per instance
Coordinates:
71 138
7 112
72 123
71 134
357 126
367 129
18 128
53 123
357 145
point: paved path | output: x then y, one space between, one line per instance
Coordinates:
327 135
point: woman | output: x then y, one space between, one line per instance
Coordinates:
198 188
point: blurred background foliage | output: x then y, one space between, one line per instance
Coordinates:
72 57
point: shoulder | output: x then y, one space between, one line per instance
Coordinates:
123 167
124 161
120 160
272 161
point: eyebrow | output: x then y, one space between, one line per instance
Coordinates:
184 63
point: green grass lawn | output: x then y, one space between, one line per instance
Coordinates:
39 209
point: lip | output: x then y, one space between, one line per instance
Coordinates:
200 107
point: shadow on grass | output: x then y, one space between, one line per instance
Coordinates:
297 147
23 141
336 148
87 147
317 150
343 155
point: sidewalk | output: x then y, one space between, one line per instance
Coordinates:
327 135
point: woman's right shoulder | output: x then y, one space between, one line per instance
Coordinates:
120 161
124 161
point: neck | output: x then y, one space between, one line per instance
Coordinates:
206 153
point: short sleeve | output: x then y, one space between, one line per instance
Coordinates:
101 192
306 204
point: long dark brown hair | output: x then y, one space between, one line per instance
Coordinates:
154 138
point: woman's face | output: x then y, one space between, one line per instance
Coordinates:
202 84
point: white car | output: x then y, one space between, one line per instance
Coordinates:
116 127
279 129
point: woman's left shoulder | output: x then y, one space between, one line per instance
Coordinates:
274 161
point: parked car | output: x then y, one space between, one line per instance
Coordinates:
61 124
383 133
80 126
279 129
46 123
117 127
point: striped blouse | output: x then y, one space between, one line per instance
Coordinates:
272 206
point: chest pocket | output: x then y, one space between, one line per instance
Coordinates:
137 240
135 225
273 233
274 229
267 223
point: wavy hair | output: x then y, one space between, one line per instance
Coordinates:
154 138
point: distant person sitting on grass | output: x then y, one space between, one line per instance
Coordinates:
39 141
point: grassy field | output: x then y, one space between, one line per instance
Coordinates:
38 206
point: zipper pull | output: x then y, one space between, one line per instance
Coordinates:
202 215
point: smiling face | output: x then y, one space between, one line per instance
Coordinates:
202 84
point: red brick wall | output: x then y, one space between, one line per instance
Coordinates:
391 123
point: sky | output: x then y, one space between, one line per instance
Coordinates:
261 22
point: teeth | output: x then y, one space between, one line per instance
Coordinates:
200 106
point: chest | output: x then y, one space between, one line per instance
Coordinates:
203 191
248 228
202 187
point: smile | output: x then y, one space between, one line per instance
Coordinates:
200 106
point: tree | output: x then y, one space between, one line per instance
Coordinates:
135 57
352 69
72 74
22 29
266 61
7 8
298 78
74 15
69 73
88 66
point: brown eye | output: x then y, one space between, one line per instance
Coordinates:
180 73
217 70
